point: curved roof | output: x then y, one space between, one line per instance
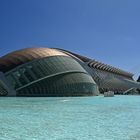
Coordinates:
22 56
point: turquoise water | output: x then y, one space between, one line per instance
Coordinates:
70 118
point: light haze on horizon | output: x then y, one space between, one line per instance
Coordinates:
105 30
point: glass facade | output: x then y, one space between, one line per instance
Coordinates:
56 72
51 76
3 91
72 84
107 81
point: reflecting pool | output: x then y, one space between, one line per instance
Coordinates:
70 118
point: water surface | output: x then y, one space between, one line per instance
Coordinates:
70 118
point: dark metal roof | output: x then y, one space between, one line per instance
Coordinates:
22 56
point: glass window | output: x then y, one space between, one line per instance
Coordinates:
22 78
35 70
16 75
30 72
11 80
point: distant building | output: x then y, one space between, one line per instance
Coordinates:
138 79
57 72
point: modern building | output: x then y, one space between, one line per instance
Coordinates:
57 72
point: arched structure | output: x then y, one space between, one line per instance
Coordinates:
57 72
46 72
108 78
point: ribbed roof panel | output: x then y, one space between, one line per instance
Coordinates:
22 56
